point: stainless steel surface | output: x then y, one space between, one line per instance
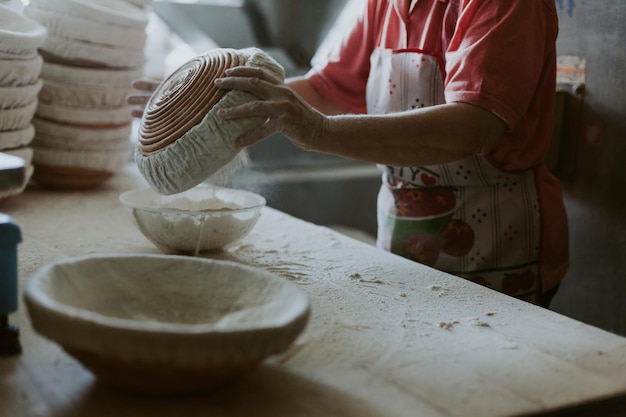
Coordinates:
11 172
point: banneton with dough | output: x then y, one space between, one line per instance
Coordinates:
182 141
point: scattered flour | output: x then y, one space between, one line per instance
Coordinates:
371 281
442 291
479 323
448 325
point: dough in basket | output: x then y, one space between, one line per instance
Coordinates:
207 146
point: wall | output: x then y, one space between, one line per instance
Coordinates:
594 182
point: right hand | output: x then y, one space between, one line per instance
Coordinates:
144 89
283 109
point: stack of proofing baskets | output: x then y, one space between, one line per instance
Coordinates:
20 66
92 54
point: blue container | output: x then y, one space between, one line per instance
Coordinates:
10 236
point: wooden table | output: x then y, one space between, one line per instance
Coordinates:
387 337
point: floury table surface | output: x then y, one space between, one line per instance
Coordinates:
387 337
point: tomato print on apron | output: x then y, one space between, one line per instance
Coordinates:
467 217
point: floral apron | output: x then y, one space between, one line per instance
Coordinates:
467 217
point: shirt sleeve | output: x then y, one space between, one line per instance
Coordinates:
342 76
498 55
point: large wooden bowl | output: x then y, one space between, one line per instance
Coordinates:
163 324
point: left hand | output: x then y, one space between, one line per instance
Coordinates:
144 89
286 112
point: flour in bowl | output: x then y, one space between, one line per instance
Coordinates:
202 219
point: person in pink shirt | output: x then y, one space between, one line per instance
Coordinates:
453 99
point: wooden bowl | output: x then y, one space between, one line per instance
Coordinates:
163 324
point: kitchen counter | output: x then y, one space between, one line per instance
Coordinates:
387 337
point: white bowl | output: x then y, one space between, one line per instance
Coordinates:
203 219
163 323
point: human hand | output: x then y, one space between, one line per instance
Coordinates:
284 109
145 88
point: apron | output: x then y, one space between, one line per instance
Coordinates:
467 217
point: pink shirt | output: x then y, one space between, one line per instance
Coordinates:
496 54
483 60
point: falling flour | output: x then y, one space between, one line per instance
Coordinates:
224 176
